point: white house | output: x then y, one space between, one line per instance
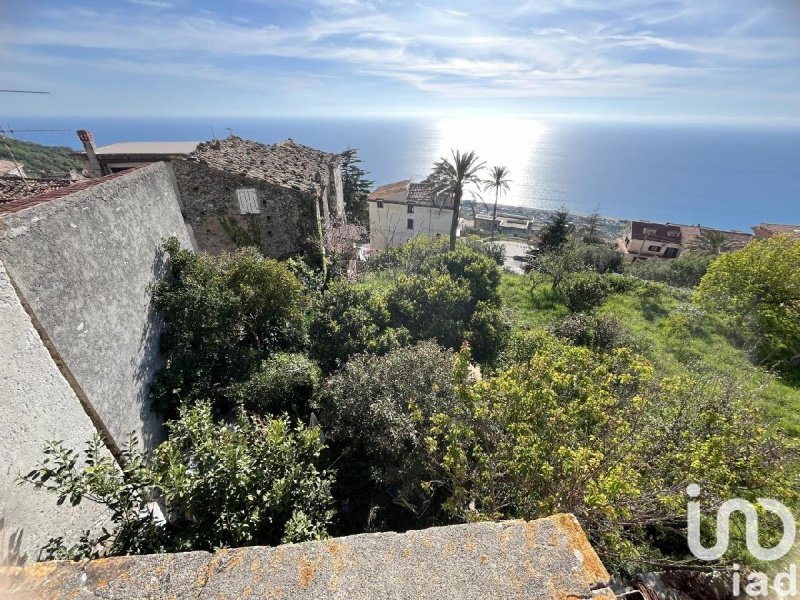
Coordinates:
402 210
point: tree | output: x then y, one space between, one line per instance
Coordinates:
685 271
252 482
356 188
710 243
555 232
557 264
585 291
600 436
222 316
498 182
452 176
377 411
758 288
590 235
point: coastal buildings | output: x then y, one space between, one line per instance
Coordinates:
506 225
645 239
402 210
767 230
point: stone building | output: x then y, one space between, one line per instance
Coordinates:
278 197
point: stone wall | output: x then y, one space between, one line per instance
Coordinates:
288 223
540 560
37 405
83 263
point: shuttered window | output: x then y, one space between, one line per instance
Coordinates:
248 201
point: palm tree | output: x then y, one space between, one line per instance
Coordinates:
499 183
710 243
452 176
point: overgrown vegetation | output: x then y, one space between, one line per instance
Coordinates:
446 391
39 160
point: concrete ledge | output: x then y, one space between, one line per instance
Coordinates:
546 559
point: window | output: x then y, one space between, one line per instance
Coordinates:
380 204
673 233
649 231
410 224
410 209
627 241
248 201
671 253
654 248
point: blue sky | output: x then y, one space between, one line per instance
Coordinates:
727 60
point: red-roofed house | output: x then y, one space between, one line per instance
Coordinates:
767 230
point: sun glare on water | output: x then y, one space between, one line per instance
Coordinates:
513 143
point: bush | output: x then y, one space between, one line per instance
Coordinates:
757 288
583 292
488 332
598 435
684 271
601 332
377 409
284 384
601 258
222 316
254 482
348 319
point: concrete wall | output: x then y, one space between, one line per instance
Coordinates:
388 225
287 225
37 405
83 262
541 560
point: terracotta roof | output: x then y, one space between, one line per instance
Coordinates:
734 238
390 189
287 164
767 230
17 188
656 232
53 193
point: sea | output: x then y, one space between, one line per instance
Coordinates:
729 176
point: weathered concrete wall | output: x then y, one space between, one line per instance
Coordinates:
287 225
37 405
541 560
83 263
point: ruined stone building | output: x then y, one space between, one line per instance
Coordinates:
278 197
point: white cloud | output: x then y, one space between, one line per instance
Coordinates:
152 3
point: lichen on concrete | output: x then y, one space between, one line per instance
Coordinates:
545 559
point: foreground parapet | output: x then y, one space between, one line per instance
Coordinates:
545 559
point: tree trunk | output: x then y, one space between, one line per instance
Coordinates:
454 223
494 213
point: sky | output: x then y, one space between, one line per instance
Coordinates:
707 60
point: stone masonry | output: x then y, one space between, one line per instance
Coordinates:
548 559
298 192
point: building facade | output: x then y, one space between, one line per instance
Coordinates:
403 210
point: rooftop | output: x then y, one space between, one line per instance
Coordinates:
287 164
734 238
656 232
766 230
128 148
59 189
16 188
385 192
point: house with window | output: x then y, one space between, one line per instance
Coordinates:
283 198
403 210
644 239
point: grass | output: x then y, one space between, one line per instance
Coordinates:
671 334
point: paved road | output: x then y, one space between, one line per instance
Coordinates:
514 249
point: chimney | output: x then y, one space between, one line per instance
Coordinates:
95 170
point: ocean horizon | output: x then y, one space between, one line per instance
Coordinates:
730 177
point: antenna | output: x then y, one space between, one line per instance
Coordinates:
22 92
229 130
14 160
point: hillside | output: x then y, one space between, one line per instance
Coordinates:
39 159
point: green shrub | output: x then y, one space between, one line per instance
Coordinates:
601 258
601 332
284 384
600 436
377 411
583 292
222 316
254 482
684 271
488 332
